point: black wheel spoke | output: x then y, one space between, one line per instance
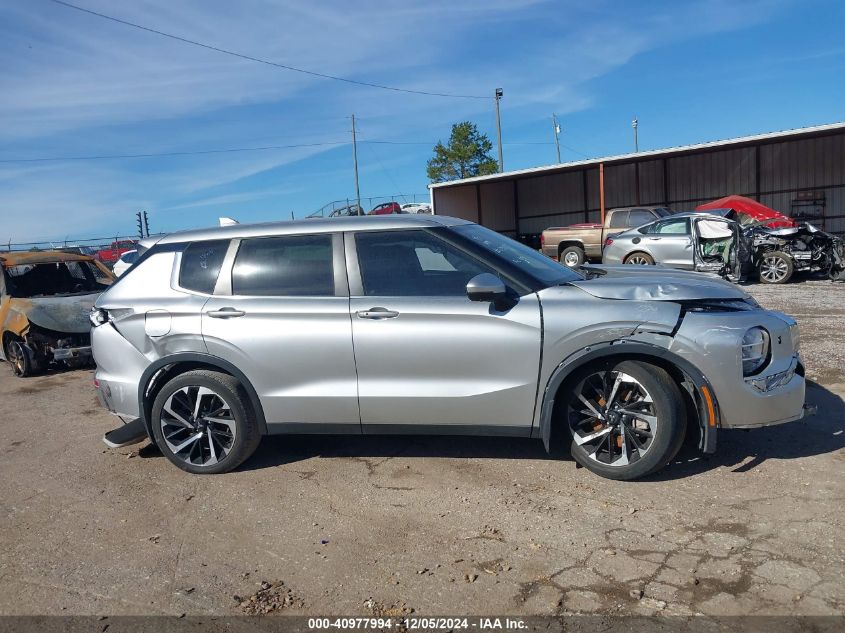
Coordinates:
612 418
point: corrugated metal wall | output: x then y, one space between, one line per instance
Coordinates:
811 168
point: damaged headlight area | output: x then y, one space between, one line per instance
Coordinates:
40 347
767 383
795 334
720 305
755 350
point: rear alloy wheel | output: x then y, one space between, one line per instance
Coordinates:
572 256
203 424
775 268
640 259
626 419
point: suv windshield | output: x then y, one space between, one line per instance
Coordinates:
527 259
54 279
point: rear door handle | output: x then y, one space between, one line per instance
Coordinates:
377 314
225 313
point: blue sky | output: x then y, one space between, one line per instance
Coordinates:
76 85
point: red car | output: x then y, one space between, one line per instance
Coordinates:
386 208
111 254
748 211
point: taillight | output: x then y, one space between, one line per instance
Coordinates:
542 239
608 241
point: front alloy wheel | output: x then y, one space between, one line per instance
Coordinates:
203 422
626 419
775 268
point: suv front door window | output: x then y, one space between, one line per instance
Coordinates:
425 353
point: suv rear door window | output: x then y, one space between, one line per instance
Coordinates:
285 266
201 263
413 264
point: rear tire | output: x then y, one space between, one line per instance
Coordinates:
639 259
626 419
572 256
775 268
203 423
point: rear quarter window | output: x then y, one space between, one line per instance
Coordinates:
201 262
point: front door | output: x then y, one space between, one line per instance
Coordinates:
285 323
670 243
428 356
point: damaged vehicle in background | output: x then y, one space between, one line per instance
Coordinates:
45 298
727 243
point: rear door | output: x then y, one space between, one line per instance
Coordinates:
670 243
426 355
281 315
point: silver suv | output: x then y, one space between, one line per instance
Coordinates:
430 325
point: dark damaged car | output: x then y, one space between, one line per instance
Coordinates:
45 298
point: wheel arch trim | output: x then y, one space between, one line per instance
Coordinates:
706 402
195 358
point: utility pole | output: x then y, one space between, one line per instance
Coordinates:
634 125
146 224
556 128
140 226
499 94
355 160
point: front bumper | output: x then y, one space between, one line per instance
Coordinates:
71 353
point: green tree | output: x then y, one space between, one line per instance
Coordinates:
466 155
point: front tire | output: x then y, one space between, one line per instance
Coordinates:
22 358
203 423
626 419
775 268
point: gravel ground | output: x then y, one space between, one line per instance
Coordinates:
439 526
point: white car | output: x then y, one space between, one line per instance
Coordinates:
416 207
125 261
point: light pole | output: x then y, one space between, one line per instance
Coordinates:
556 128
499 94
634 125
355 163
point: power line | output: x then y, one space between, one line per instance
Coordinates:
260 60
229 150
165 154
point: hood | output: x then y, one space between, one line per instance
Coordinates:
655 283
753 209
61 314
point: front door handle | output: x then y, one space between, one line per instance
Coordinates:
377 314
225 313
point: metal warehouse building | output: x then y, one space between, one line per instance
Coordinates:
800 173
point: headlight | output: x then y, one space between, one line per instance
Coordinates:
795 334
755 350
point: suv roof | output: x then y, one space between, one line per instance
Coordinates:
310 226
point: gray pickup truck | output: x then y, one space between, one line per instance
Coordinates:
573 245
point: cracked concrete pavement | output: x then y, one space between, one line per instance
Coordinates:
437 525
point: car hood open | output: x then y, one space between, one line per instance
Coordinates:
655 283
61 314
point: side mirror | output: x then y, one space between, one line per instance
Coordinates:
487 287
